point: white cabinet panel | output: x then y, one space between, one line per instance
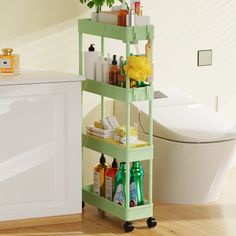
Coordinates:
40 150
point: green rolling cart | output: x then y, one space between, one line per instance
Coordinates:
123 153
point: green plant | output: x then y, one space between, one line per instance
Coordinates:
98 3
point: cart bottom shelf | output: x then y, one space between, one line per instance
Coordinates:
126 214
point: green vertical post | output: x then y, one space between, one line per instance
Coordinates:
80 53
127 191
127 105
150 138
150 162
102 97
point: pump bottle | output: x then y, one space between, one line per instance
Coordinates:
90 59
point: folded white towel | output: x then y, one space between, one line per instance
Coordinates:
110 123
99 131
99 135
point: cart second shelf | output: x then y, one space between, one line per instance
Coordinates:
118 93
126 214
118 150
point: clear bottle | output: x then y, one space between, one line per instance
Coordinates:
9 62
114 72
109 180
106 69
99 69
99 176
122 14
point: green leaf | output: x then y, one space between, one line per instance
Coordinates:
98 2
110 3
90 4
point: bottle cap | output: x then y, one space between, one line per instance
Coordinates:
123 6
102 159
108 58
114 62
131 12
92 48
114 164
7 51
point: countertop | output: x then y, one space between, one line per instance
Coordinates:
39 77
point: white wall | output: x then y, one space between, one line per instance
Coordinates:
182 28
44 32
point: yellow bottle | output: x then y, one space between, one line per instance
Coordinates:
99 176
9 62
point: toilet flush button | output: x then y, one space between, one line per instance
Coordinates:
204 57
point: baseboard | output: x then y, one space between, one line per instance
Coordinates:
40 221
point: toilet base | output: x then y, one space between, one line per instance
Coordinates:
186 173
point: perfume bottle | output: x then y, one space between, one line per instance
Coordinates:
9 62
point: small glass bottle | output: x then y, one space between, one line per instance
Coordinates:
9 62
122 14
114 72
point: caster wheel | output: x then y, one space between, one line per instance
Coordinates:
128 227
151 222
83 205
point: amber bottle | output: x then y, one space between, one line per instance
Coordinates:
9 62
114 72
99 176
122 14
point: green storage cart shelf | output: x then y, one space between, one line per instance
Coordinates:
118 93
117 150
123 213
123 153
126 34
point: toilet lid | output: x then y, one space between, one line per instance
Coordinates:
194 123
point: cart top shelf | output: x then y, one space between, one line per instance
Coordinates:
126 34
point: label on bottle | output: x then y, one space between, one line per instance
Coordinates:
108 185
133 195
96 183
119 195
5 63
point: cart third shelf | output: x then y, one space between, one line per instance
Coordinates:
117 150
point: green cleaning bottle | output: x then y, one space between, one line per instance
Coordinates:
99 176
136 184
120 185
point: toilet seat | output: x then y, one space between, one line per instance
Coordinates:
189 122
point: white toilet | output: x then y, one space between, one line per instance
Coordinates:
193 147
